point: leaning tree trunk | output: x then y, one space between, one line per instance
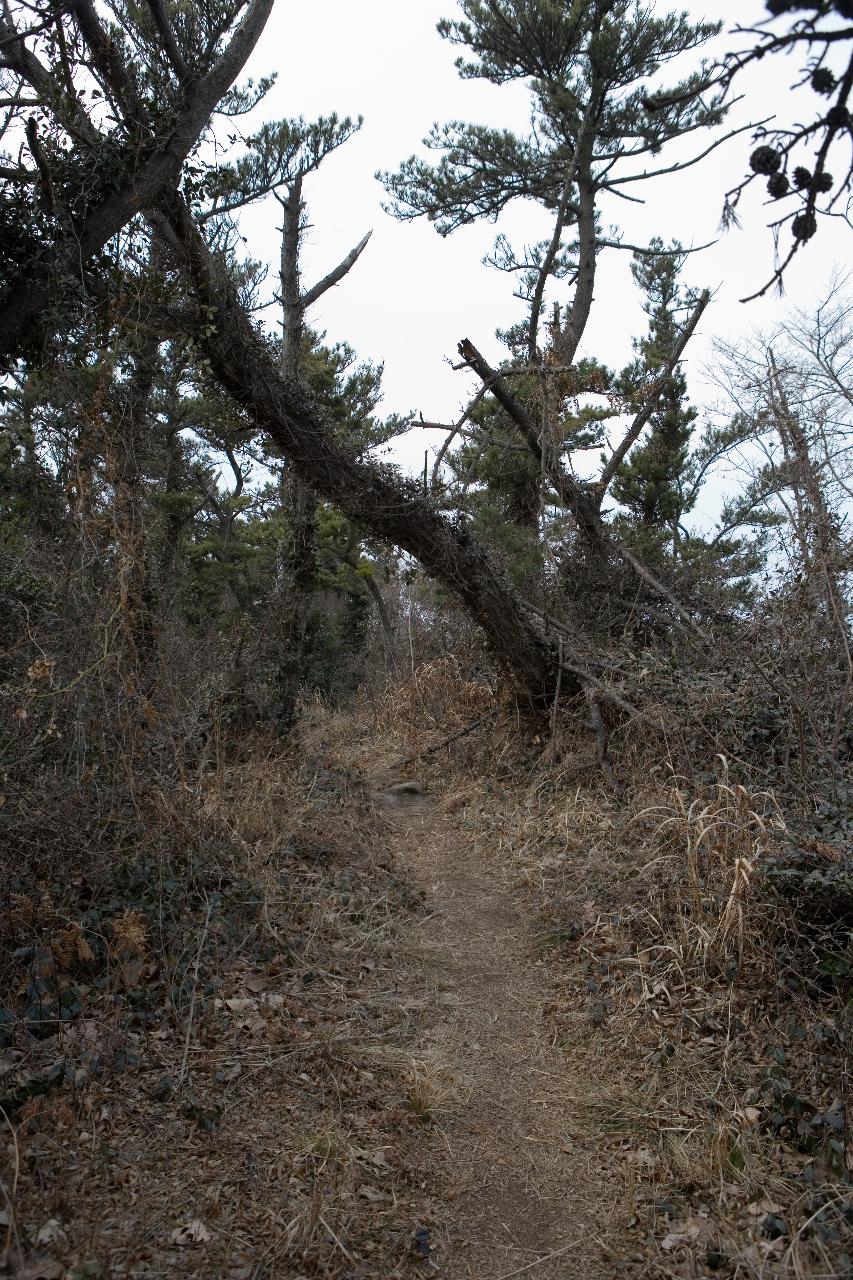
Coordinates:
821 548
372 496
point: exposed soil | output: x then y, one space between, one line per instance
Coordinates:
523 1177
617 1072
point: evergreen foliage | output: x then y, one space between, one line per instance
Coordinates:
586 66
650 484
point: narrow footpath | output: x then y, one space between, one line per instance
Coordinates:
526 1194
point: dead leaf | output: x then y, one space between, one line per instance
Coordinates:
51 1233
759 1208
256 984
674 1239
373 1194
41 668
685 1233
192 1232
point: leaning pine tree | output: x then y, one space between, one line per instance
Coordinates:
587 67
92 173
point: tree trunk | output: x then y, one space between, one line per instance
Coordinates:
372 496
820 545
300 578
124 445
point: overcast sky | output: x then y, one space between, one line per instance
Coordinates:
413 295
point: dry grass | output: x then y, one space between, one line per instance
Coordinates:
727 1075
241 1093
660 941
246 1091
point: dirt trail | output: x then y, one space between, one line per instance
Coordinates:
527 1197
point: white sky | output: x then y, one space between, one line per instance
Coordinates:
413 295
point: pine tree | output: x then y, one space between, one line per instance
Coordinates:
586 65
649 484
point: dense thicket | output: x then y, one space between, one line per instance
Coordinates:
194 532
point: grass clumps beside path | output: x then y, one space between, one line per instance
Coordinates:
683 943
205 1070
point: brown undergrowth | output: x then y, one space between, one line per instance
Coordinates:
230 1034
208 1066
666 947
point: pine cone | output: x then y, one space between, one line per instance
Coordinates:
804 226
765 160
802 177
778 185
837 117
823 81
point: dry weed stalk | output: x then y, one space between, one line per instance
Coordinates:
720 837
438 695
8 1196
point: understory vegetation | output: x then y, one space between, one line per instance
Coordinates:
607 633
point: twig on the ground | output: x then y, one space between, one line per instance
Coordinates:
344 1250
11 1225
446 742
539 1261
191 1013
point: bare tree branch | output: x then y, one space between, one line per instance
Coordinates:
38 154
18 175
577 497
334 277
167 37
116 76
453 432
653 395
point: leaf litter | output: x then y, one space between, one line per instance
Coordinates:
482 1031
